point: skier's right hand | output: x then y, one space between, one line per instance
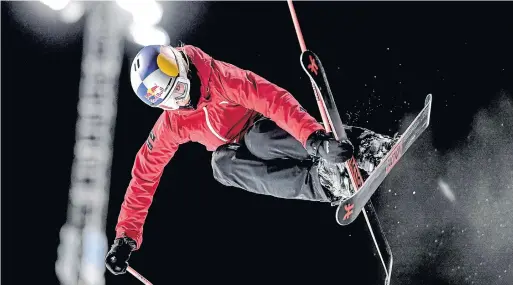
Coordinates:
321 144
116 260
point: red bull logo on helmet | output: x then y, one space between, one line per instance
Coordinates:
154 93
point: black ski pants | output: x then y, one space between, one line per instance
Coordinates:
270 161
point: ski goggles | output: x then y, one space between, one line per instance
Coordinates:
178 88
179 91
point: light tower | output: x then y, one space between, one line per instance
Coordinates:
83 242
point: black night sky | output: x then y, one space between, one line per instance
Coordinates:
381 58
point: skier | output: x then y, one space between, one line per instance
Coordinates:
262 139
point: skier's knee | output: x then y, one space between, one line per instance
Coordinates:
221 160
261 135
258 131
264 125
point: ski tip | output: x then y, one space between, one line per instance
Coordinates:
307 51
337 215
428 100
305 56
343 218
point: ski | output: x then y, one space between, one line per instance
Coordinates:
313 67
349 209
333 122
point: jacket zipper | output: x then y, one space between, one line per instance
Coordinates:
210 126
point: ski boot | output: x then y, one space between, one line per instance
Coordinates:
334 178
372 149
334 181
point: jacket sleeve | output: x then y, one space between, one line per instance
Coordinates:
256 93
152 157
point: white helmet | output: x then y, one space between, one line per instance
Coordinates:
159 76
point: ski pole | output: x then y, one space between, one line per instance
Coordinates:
351 165
302 44
138 276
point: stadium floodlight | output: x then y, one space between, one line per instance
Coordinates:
56 5
148 35
144 12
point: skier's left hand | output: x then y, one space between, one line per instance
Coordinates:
321 144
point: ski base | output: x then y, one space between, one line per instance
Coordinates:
350 209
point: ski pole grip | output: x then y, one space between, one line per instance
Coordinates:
138 276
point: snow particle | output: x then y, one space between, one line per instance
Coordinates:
413 192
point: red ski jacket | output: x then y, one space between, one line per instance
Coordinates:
230 100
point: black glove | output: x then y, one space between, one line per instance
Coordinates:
116 260
321 144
